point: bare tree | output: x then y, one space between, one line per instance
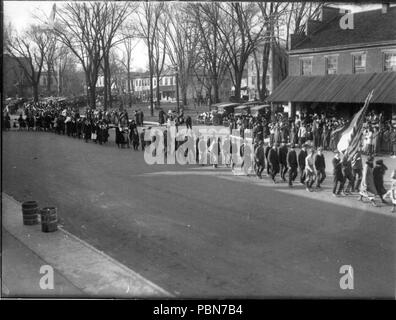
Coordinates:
29 50
113 15
212 59
240 30
128 43
149 16
159 52
79 26
182 44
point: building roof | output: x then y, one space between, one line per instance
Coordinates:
369 27
342 88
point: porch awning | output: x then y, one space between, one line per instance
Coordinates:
342 88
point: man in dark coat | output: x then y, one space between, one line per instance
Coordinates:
273 162
266 152
348 176
188 122
142 141
378 174
337 174
259 158
141 117
301 163
87 130
357 170
282 155
320 167
292 164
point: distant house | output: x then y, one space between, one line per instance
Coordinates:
276 71
15 82
332 69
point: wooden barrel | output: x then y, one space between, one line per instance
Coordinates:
30 213
49 219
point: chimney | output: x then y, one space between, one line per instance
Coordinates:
312 26
385 7
295 39
328 13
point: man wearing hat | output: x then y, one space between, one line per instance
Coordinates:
357 169
337 174
282 155
292 164
259 158
310 169
266 153
301 163
273 162
320 167
378 174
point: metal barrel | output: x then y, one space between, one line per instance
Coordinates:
49 219
30 211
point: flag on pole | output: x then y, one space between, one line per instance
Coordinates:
351 137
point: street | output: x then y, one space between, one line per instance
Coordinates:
203 232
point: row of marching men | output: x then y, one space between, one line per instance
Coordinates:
349 174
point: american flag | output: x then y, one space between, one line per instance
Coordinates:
351 137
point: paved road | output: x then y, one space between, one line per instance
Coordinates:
199 232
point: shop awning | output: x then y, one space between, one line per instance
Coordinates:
342 88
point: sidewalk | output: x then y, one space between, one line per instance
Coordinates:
21 273
79 269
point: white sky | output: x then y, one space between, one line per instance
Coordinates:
21 15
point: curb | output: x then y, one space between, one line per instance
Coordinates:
87 268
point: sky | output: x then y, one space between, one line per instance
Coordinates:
21 14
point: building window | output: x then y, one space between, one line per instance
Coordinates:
306 67
166 81
171 81
390 61
359 63
155 82
253 81
331 65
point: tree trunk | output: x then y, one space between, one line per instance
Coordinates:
92 97
35 91
49 79
263 89
129 84
216 91
158 91
109 82
238 81
105 81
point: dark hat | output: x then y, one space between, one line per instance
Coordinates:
379 161
370 159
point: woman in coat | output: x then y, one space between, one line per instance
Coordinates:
378 175
367 186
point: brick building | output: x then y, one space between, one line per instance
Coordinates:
332 69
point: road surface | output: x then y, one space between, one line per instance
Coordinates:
202 232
